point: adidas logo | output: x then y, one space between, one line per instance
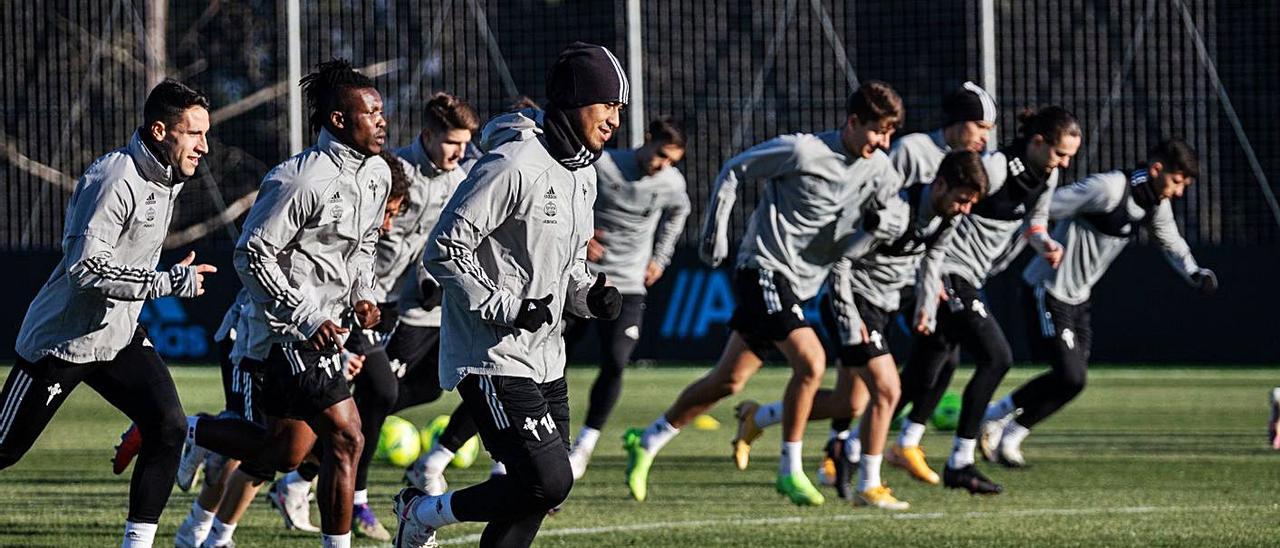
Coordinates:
337 197
151 198
551 194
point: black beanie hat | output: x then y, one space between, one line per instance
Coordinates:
969 102
585 74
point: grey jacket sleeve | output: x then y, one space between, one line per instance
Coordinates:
1088 195
672 224
759 162
283 207
481 204
847 317
929 280
1176 251
1038 220
90 252
580 282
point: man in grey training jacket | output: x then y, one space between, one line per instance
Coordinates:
83 324
1096 219
640 212
510 252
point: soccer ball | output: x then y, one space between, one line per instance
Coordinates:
464 457
398 442
947 415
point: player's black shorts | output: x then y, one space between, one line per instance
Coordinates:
767 310
300 383
241 385
518 418
1059 331
875 319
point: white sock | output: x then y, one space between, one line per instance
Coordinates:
1000 409
1014 433
201 517
438 459
221 533
790 463
436 512
498 469
587 438
869 472
911 434
852 448
838 435
769 414
361 496
336 541
961 453
657 435
191 429
138 535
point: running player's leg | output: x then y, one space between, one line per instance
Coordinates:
923 379
807 358
240 490
138 383
417 351
33 392
522 423
375 390
618 339
1041 397
980 334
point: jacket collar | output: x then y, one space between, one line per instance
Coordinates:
420 160
150 167
939 140
342 155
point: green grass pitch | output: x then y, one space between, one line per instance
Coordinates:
1148 456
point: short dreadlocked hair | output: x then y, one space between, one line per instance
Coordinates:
324 88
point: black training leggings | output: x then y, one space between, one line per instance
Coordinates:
963 321
618 339
402 374
1061 333
136 382
525 426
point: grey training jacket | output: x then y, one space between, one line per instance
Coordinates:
115 225
1088 251
641 217
814 198
399 251
306 252
517 228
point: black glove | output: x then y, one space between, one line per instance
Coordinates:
603 301
534 313
1206 281
432 295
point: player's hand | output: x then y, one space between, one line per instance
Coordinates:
201 270
432 294
714 250
367 314
604 301
1053 253
1206 281
595 249
354 363
922 323
534 313
328 336
862 329
653 273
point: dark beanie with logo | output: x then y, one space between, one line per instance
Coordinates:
585 74
967 103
